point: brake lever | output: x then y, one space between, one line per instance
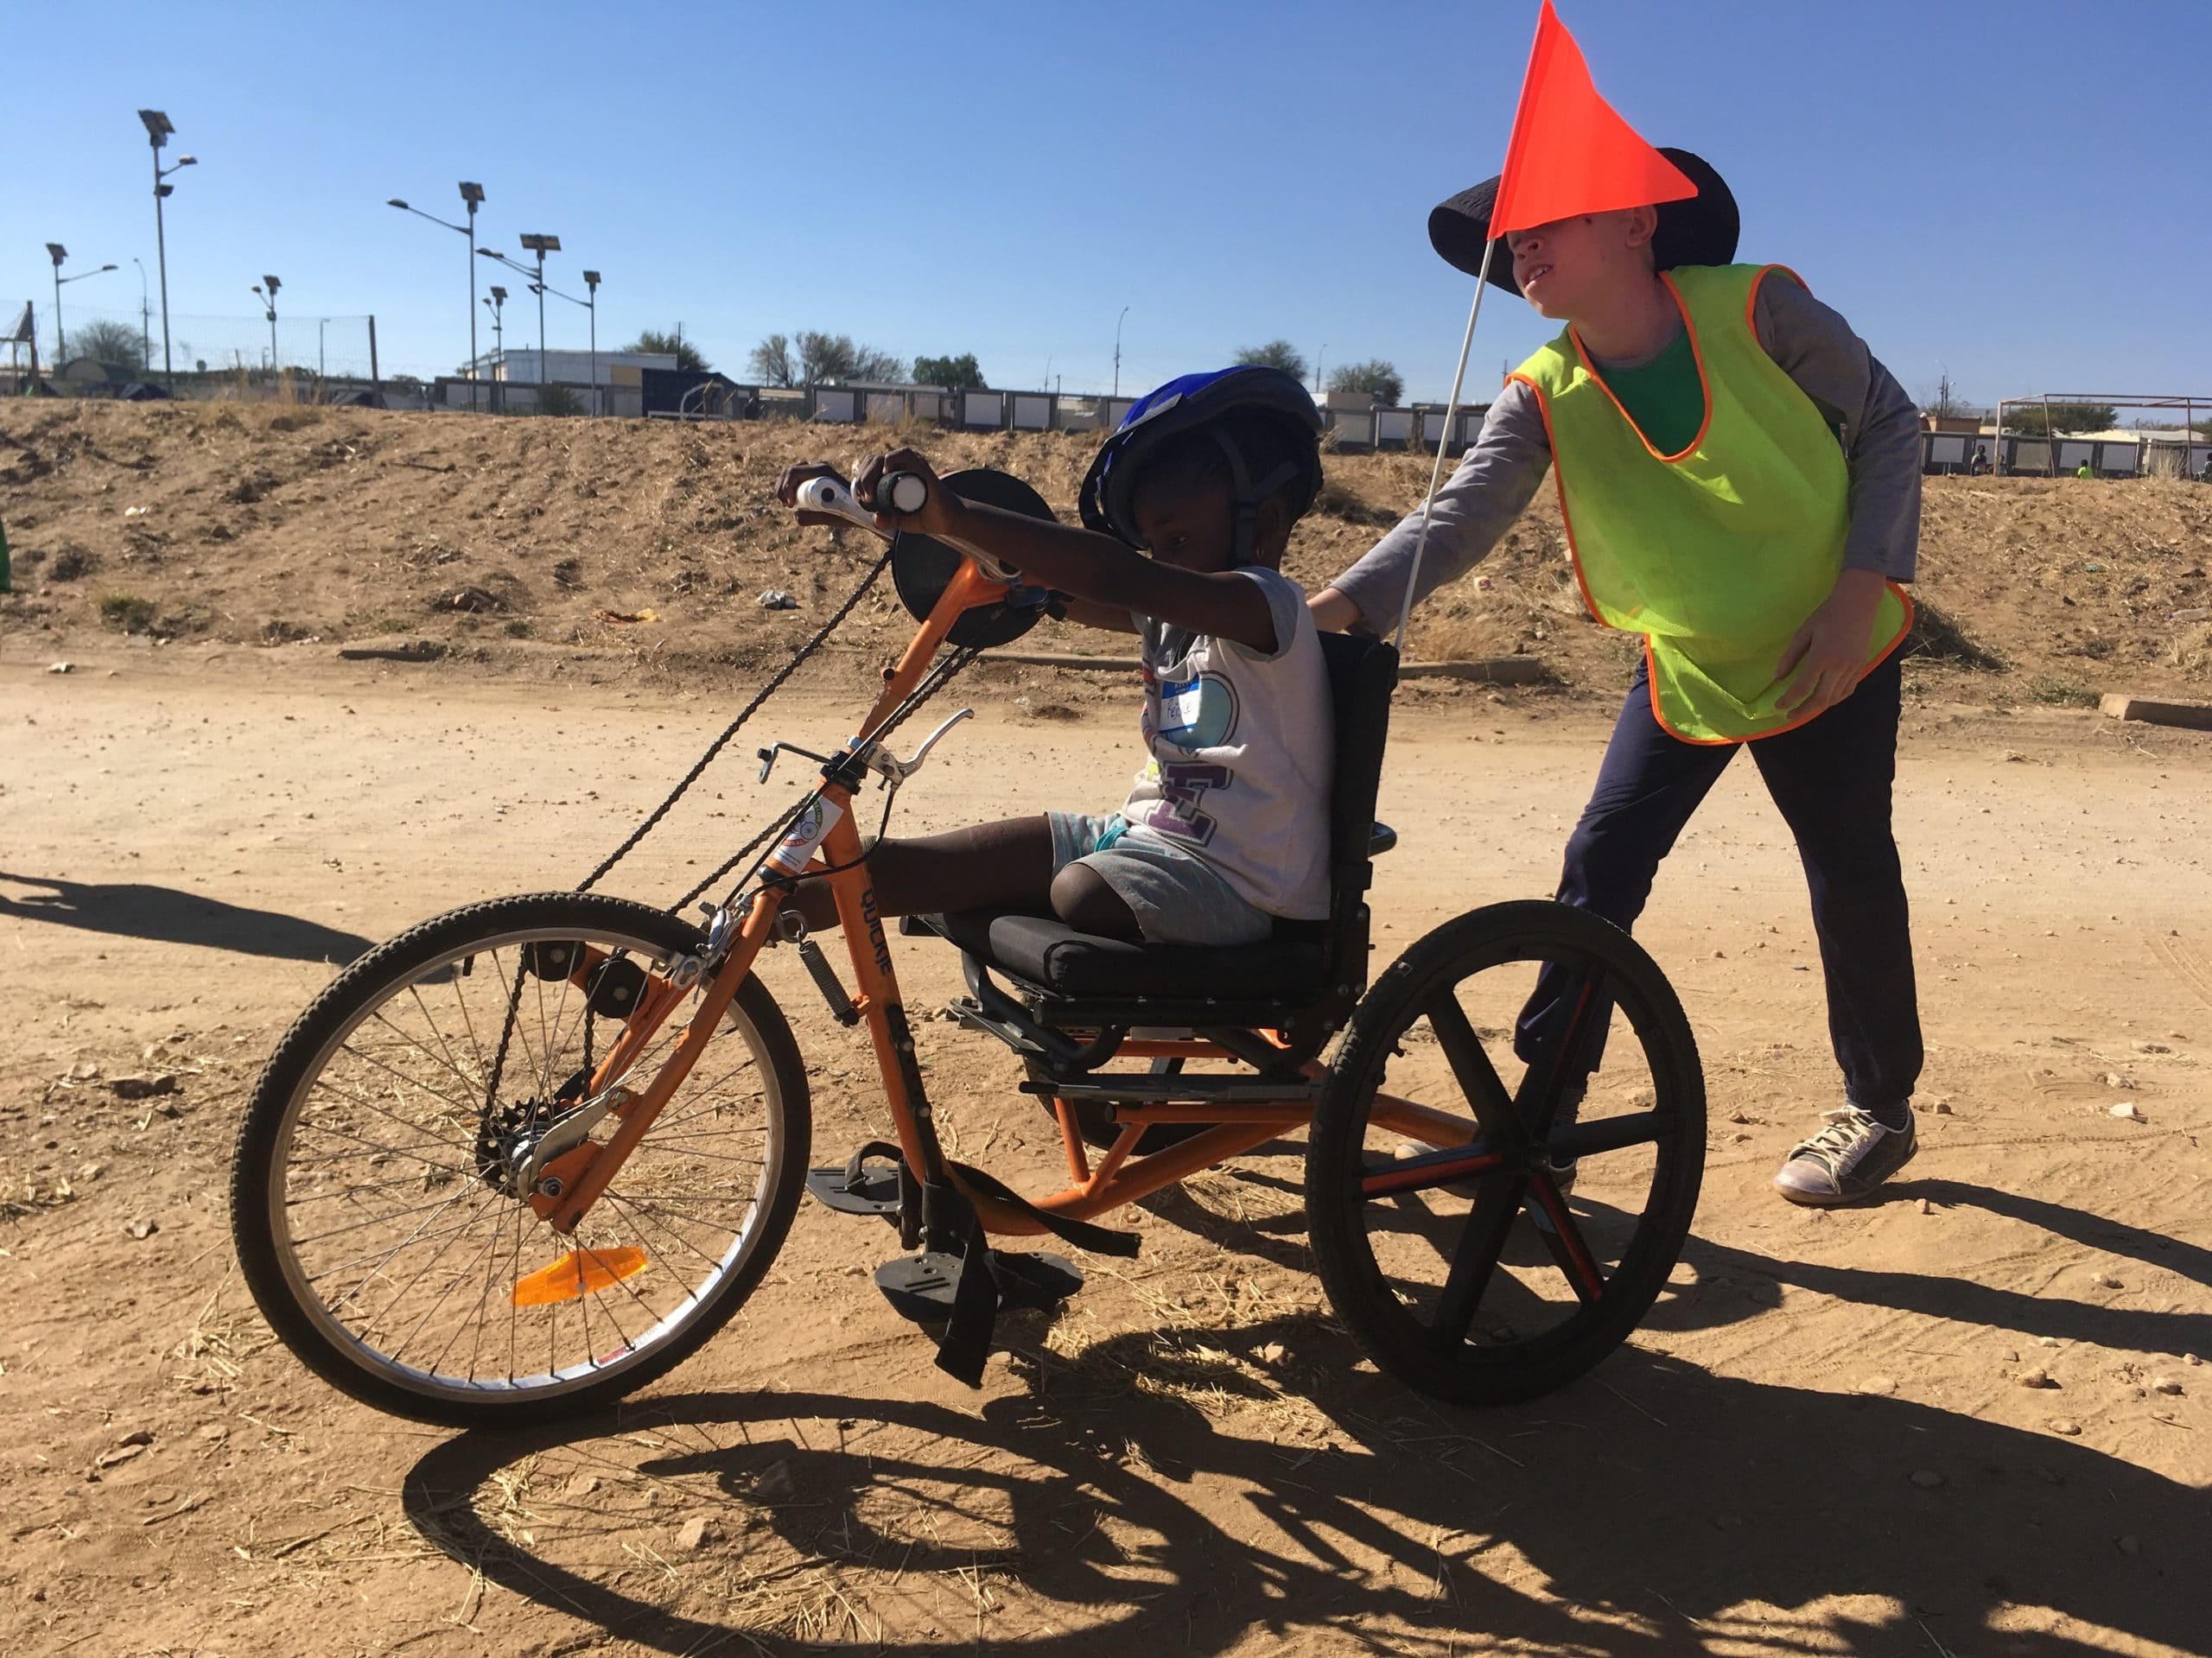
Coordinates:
897 770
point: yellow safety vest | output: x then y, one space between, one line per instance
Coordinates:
1716 554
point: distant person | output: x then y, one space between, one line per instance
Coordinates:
2204 472
2085 470
1758 557
1978 463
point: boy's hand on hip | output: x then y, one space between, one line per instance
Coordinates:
1824 658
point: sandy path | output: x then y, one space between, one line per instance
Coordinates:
186 840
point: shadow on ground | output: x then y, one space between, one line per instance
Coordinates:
1644 1503
166 916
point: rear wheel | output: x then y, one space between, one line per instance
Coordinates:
1487 1230
379 1198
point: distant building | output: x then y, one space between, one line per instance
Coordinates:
568 368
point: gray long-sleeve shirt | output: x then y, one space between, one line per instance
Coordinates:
1811 344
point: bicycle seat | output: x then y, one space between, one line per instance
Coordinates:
1050 955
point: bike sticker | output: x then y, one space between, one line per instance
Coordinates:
813 827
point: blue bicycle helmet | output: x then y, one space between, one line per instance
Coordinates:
1196 402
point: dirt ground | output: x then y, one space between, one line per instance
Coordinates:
1819 1443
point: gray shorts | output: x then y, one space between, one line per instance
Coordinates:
1176 897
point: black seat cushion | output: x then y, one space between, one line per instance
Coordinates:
1052 956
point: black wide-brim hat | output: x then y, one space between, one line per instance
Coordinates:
1698 230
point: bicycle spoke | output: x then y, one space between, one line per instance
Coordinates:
1475 1258
1470 1065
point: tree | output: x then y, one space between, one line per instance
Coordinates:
668 344
556 399
1276 353
771 362
1377 377
2026 419
954 373
827 359
110 341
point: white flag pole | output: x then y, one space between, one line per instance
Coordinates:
1436 473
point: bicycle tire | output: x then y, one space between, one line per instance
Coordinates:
443 950
1343 1170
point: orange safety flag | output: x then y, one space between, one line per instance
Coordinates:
1570 152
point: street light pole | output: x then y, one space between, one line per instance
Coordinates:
270 300
498 303
60 342
1117 349
158 133
471 195
145 323
542 245
591 304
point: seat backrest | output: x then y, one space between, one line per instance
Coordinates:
1362 675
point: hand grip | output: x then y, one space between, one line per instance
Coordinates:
901 493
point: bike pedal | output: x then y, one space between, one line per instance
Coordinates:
875 1191
924 1286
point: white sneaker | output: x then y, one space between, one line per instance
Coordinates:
1845 1161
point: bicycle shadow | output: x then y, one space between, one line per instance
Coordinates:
164 915
1096 1512
1733 1284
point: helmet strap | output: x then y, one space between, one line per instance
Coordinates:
1248 495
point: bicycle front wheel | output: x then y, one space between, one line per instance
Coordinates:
380 1194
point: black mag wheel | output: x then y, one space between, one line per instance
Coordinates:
1484 1234
379 1199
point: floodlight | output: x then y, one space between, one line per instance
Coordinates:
499 294
489 253
58 252
471 193
396 202
591 279
107 267
188 161
273 283
157 126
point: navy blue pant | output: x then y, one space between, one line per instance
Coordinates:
1830 778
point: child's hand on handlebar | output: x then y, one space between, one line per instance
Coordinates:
787 488
935 517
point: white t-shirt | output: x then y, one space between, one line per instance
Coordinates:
1244 751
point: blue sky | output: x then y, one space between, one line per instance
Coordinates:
2015 192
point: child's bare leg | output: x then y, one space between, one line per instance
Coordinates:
1002 865
1082 897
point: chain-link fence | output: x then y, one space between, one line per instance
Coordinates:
88 346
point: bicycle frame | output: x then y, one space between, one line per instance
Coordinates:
837 857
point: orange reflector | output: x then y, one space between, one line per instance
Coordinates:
581 1272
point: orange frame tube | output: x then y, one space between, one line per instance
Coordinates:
1118 1179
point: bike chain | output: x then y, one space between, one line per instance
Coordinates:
799 659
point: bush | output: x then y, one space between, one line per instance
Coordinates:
558 400
127 612
2060 692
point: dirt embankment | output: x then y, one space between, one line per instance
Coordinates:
276 526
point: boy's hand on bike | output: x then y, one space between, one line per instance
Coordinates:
937 513
787 488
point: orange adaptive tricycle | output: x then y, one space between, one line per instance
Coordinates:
532 1153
